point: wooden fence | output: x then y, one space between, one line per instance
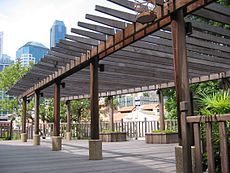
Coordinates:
6 129
204 129
134 129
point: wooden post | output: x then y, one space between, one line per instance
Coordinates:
69 119
95 144
24 112
111 119
56 138
36 118
56 109
182 86
94 110
36 136
161 107
68 127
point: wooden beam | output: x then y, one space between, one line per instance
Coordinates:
98 28
83 40
94 107
89 34
106 21
116 13
127 4
208 14
129 35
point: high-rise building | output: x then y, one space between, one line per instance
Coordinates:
1 44
31 51
57 32
5 61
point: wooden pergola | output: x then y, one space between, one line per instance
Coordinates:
119 56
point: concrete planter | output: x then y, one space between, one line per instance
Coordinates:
161 138
113 136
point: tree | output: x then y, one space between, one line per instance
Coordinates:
8 77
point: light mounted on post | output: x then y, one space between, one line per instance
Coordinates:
63 84
101 67
188 28
146 10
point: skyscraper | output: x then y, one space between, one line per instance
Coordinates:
57 32
5 61
31 51
1 44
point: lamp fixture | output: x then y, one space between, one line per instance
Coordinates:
188 28
63 84
145 9
101 67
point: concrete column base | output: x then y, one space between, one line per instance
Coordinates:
36 139
179 159
95 150
56 143
68 136
24 137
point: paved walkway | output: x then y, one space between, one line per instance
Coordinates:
125 157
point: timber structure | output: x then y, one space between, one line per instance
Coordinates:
120 56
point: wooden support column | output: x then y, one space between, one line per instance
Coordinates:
56 109
36 136
95 144
111 118
24 112
23 119
36 108
94 109
69 119
56 138
68 127
161 107
182 87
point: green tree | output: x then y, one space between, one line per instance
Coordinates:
8 77
80 110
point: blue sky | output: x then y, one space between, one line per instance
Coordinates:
31 20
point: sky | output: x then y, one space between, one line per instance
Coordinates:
31 20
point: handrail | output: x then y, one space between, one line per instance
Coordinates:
213 118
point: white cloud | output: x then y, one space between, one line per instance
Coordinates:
31 20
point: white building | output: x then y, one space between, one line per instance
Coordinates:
25 59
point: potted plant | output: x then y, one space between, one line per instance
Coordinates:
161 137
112 136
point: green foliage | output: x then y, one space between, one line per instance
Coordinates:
170 104
108 131
145 94
115 102
215 103
80 110
10 75
210 104
164 131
